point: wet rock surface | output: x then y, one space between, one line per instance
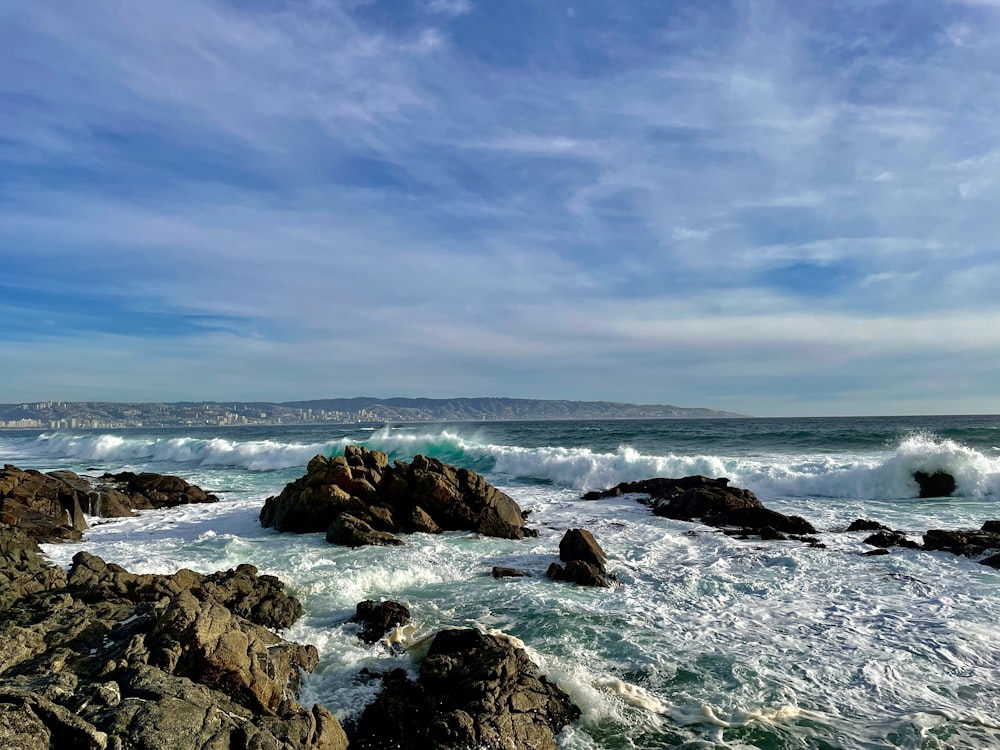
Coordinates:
103 658
474 690
983 543
377 499
52 506
935 483
584 558
712 501
379 618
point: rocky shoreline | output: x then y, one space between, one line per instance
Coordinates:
100 658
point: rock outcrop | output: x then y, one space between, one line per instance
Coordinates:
358 498
102 658
935 484
584 558
378 618
964 542
52 506
474 690
712 501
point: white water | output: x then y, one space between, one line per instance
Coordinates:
708 640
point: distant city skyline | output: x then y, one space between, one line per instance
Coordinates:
771 208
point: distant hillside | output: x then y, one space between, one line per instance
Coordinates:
104 414
476 409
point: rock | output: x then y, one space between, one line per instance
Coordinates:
712 501
579 544
475 690
424 495
936 484
23 569
353 532
967 543
992 527
148 490
992 561
45 507
508 573
579 572
52 507
863 524
876 552
891 539
379 618
259 599
104 658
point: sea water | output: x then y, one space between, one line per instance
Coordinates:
706 641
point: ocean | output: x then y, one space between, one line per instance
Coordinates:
707 641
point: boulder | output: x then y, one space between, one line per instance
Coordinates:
579 544
379 618
579 572
474 690
712 501
935 484
424 495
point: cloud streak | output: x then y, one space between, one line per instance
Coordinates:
767 209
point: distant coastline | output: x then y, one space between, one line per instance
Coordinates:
115 415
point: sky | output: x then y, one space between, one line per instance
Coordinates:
772 208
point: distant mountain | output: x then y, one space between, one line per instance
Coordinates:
104 414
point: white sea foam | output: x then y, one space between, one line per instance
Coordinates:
710 641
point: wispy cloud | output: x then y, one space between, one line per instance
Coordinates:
767 208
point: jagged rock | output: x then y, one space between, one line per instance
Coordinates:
43 506
23 569
424 495
353 532
259 599
712 501
579 544
967 543
28 720
148 490
475 690
378 618
104 658
863 524
508 573
936 484
52 507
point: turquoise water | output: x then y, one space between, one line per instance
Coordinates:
707 642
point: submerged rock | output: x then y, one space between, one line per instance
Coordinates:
424 495
104 658
474 690
712 501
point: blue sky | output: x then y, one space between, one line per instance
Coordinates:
771 208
